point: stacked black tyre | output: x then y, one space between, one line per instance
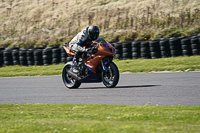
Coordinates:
30 57
195 44
155 49
23 57
63 55
1 57
186 47
7 57
175 47
47 56
38 60
145 50
165 48
126 50
136 49
118 50
56 55
15 56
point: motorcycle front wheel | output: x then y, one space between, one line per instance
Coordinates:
69 81
110 77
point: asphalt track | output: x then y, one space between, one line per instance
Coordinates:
177 88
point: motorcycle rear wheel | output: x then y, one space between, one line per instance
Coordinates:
111 77
68 81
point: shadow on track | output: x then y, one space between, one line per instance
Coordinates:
134 86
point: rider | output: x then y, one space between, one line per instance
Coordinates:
83 38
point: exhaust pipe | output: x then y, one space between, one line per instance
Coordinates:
73 75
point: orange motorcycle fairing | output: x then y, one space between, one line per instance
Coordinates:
93 61
68 50
103 51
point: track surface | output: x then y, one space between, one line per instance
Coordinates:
133 89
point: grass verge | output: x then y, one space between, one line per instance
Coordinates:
147 65
191 63
98 118
12 71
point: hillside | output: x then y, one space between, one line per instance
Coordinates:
29 23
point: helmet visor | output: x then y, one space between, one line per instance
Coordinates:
95 36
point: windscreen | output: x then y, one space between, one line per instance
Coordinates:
102 42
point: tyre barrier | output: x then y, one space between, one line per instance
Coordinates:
38 60
15 56
1 49
194 40
136 49
30 57
159 48
1 58
35 56
7 57
175 47
195 45
10 49
186 47
47 56
145 50
56 52
126 50
118 50
165 48
63 56
41 48
155 49
23 57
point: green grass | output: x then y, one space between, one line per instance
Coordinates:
98 118
191 63
11 71
147 65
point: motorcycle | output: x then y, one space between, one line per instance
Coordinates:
93 68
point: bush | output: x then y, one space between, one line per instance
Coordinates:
174 33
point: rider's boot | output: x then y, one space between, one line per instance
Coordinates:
75 68
75 65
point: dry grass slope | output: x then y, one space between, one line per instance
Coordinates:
29 23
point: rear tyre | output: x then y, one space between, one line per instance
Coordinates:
111 77
68 81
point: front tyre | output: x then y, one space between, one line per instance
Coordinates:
111 77
69 81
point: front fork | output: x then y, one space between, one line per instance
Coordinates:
107 71
105 65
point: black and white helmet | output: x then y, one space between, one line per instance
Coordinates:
93 32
